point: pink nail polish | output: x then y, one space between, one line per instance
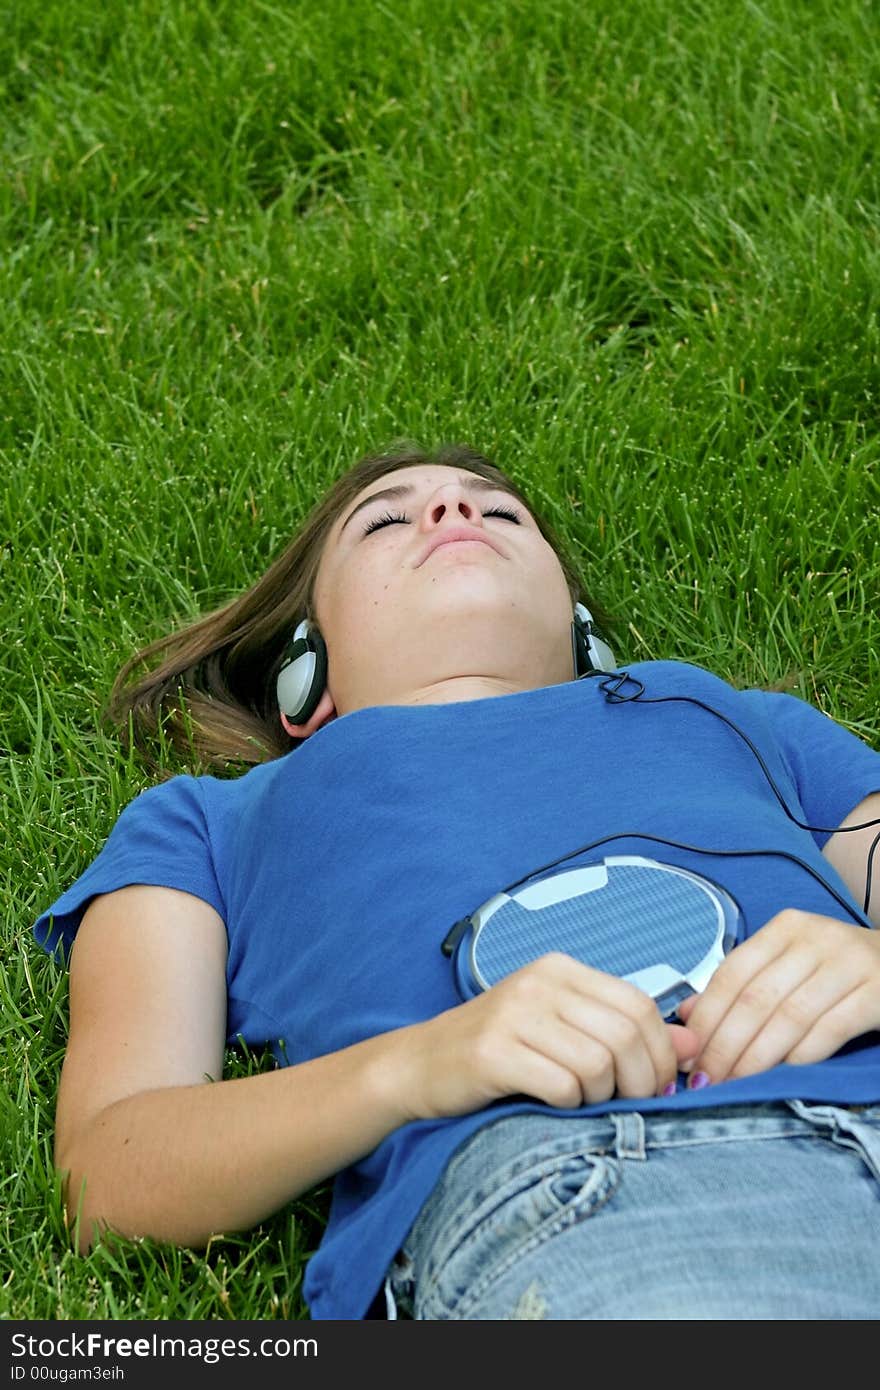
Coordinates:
669 1090
698 1081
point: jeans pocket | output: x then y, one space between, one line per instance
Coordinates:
457 1260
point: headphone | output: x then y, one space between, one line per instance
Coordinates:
590 652
303 673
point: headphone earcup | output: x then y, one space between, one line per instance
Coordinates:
302 678
590 651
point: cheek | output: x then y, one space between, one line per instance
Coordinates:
553 583
317 600
346 599
328 599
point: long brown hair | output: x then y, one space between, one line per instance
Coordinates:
209 692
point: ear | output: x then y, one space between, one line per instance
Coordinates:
325 710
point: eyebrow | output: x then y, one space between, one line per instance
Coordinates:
472 482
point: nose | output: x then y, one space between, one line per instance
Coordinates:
450 504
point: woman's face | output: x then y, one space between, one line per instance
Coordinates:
435 584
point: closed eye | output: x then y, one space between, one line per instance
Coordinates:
389 518
386 519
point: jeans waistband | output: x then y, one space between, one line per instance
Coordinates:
630 1134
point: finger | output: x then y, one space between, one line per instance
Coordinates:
765 1015
667 1044
686 1007
525 1051
547 1012
556 1083
587 1065
827 1008
851 1016
603 1048
613 1012
642 1053
704 1013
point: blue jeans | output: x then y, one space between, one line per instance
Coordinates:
740 1212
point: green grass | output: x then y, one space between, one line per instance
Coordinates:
631 251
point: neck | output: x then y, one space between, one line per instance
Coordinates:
447 692
457 689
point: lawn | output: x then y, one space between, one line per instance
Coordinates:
631 251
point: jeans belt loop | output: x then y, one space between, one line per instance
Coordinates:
629 1139
840 1120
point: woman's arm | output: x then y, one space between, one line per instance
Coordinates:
155 1144
848 853
152 1145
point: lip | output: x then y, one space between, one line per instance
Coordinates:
450 534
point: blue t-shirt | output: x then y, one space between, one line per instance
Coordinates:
340 868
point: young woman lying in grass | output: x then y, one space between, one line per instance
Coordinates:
447 720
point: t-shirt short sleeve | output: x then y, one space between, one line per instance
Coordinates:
832 768
161 838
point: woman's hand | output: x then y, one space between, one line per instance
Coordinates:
556 1030
794 992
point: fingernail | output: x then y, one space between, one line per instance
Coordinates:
698 1081
669 1090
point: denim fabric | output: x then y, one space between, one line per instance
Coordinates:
767 1211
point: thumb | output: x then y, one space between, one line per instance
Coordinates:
686 1007
685 1041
